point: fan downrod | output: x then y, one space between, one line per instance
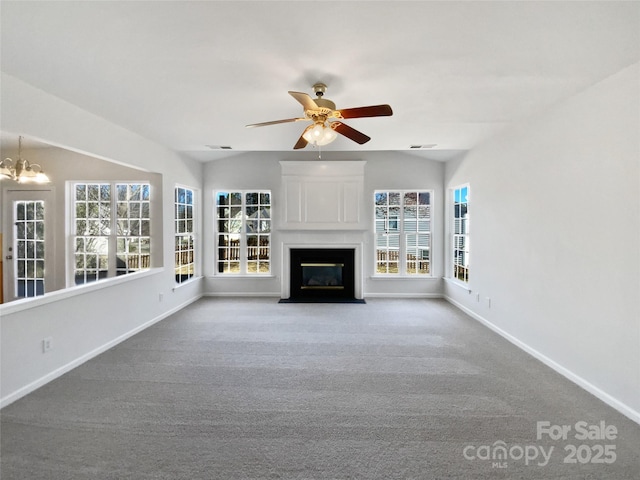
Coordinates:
319 89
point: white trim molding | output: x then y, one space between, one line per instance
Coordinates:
565 372
58 372
286 264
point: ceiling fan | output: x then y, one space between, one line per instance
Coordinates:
327 120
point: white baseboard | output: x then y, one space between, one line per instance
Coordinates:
578 380
366 295
241 294
403 295
58 372
589 387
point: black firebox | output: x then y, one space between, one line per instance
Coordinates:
322 273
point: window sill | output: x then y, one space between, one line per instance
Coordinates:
193 279
404 277
242 275
457 283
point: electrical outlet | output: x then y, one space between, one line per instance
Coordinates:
477 297
47 344
160 297
488 300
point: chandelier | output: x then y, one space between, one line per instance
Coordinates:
21 170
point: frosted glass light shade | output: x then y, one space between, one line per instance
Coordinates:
320 134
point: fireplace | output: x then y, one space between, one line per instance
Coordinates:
322 273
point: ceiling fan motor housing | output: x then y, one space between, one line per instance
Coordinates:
325 103
320 89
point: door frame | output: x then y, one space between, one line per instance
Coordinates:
9 196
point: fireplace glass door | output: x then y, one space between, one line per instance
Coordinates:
322 276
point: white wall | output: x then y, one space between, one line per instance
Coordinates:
86 320
383 170
555 230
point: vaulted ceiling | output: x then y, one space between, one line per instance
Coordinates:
191 75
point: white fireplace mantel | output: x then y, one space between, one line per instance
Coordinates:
322 195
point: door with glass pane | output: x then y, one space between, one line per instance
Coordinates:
28 250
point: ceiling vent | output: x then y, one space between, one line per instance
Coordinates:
418 147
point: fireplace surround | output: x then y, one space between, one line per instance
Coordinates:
328 271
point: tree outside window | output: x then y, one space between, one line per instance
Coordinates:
184 234
112 230
243 220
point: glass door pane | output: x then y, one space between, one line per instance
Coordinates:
29 248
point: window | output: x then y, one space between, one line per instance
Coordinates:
243 232
29 244
403 232
184 234
112 229
460 247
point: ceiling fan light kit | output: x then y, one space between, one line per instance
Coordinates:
319 134
325 117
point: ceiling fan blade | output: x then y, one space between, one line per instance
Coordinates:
372 111
301 143
305 100
349 132
275 122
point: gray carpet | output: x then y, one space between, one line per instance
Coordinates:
254 389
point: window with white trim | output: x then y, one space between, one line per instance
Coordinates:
402 229
243 224
184 234
460 233
112 230
29 241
